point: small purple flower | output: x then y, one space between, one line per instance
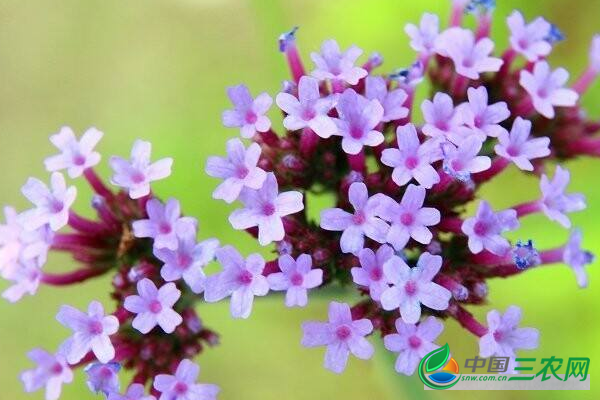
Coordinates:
412 159
545 87
470 58
462 161
238 170
136 174
357 122
91 332
241 279
103 378
341 335
423 37
441 118
409 78
409 219
76 156
25 276
332 64
504 337
525 255
248 114
594 54
135 391
51 372
413 342
392 101
518 148
363 222
555 202
296 277
486 227
412 287
481 118
51 204
370 273
154 306
188 260
529 39
162 222
577 258
183 386
265 209
309 110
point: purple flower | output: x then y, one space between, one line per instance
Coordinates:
51 204
462 161
423 37
485 229
265 208
296 277
309 110
241 279
154 306
504 337
577 258
91 332
136 175
248 114
546 88
529 39
332 64
238 170
481 118
25 275
188 260
412 287
163 219
103 378
555 202
51 372
470 58
392 101
413 342
75 156
341 335
183 386
370 273
518 148
412 159
358 118
409 219
363 222
594 54
441 118
135 392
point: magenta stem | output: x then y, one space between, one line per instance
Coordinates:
457 15
337 86
96 183
467 320
498 165
70 278
527 208
442 185
587 146
525 107
460 86
483 26
294 62
452 224
552 256
82 224
508 57
585 80
308 142
487 258
357 162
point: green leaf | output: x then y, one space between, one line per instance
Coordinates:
437 358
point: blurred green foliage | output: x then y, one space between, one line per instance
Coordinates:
157 69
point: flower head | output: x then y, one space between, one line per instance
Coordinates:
577 258
391 100
51 372
412 342
341 335
461 161
154 306
75 156
486 227
103 378
555 202
423 37
529 39
182 385
412 287
482 119
441 118
358 120
248 114
265 208
296 277
370 273
91 332
519 148
136 174
332 64
135 391
363 222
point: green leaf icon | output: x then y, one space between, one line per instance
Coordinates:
437 358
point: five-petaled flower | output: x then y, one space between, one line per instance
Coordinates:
480 118
248 114
103 378
370 273
391 100
441 118
530 39
296 277
519 148
334 65
555 202
486 227
577 258
423 37
182 385
51 372
154 306
75 156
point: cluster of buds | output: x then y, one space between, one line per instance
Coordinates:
397 232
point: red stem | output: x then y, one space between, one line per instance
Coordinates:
96 183
73 277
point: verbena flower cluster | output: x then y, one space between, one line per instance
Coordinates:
398 231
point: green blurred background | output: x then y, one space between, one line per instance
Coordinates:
158 69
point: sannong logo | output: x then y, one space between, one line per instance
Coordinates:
439 359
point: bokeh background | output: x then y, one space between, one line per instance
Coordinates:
158 69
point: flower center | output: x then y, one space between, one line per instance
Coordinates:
376 274
184 260
241 172
251 117
165 228
512 151
245 278
456 165
478 121
410 288
268 209
356 132
78 160
407 219
414 342
106 373
308 114
56 369
498 336
95 327
180 388
56 206
155 307
411 162
480 228
359 218
441 125
468 63
343 332
523 43
138 177
542 92
297 279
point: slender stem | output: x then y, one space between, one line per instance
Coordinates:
294 61
460 86
467 320
96 183
357 162
498 165
82 224
308 142
508 57
525 107
484 25
527 208
585 80
452 224
552 256
457 15
73 277
587 146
